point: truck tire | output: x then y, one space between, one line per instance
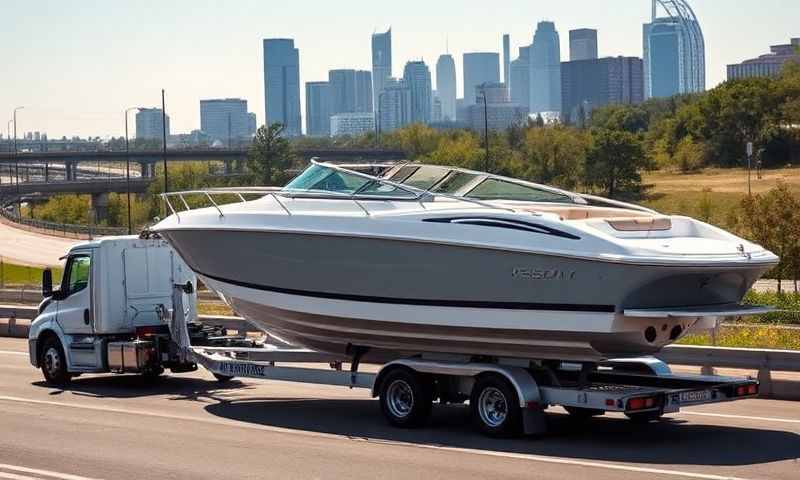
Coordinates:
54 363
406 398
152 375
495 407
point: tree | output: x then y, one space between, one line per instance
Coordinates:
554 155
270 156
613 163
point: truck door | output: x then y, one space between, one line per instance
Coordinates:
75 297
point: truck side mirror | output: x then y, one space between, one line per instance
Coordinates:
47 283
188 289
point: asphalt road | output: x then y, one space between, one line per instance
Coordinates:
28 248
189 426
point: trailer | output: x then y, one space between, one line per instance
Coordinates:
128 305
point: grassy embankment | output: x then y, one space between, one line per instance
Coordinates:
20 275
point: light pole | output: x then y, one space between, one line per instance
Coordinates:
128 167
16 162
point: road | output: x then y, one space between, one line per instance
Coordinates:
28 248
189 426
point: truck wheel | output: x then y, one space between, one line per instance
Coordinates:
406 398
644 417
54 362
495 407
152 375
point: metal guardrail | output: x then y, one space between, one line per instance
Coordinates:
64 228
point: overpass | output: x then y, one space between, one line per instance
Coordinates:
148 159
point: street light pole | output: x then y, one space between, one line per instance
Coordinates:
16 162
128 168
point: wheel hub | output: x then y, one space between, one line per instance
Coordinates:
52 361
400 398
492 407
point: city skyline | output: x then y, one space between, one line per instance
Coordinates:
191 66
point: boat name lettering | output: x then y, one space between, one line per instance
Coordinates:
539 274
241 369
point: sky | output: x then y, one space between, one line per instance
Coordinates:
76 65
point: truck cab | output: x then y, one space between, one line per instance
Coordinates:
112 310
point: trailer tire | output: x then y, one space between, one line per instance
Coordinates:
406 397
54 363
644 417
495 406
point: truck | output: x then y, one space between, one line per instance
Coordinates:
127 305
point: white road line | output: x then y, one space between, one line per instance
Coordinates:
13 476
743 417
518 456
9 352
36 471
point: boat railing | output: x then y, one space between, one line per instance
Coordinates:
278 194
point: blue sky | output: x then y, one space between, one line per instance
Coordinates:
76 65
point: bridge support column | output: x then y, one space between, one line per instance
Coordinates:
228 167
70 169
100 207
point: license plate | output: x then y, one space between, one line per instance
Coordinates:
696 396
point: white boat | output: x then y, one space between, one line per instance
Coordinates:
340 261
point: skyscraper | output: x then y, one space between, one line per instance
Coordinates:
446 86
394 105
589 84
150 124
498 113
381 62
318 109
520 84
506 58
225 120
418 78
350 91
479 68
674 51
282 84
768 65
582 44
545 62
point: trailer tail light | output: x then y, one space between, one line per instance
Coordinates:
744 390
143 332
642 403
610 402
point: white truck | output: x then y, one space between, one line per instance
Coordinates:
127 305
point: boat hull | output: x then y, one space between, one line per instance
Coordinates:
329 292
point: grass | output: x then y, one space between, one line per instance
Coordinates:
214 309
755 336
20 275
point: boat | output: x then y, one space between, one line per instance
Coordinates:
340 261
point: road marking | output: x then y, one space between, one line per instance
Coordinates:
12 476
745 417
517 456
35 471
9 352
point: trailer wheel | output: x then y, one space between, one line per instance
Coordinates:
222 378
54 362
495 407
644 417
406 398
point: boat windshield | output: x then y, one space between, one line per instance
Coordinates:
497 189
323 179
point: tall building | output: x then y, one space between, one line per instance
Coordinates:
506 58
498 113
418 78
446 86
225 120
381 62
252 124
589 84
582 44
394 105
436 108
674 51
150 124
479 68
282 84
545 63
352 124
768 65
350 91
318 109
520 84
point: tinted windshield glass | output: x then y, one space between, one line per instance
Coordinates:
495 189
454 182
321 178
403 173
426 177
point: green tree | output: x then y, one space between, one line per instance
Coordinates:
271 156
554 155
613 164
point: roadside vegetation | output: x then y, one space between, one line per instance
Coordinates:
12 275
